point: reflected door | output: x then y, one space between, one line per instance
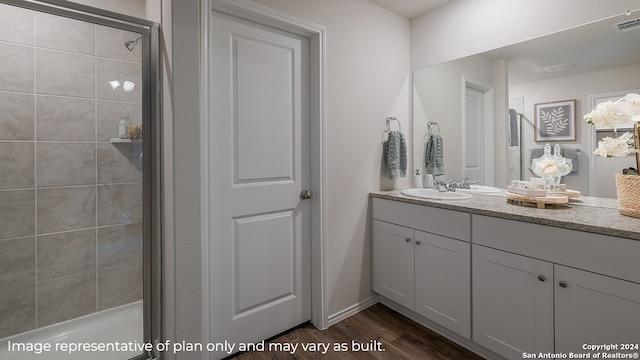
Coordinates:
474 157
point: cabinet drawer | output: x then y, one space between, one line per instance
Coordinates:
443 222
601 254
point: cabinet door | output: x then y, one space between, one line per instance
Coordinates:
594 309
512 303
393 262
443 281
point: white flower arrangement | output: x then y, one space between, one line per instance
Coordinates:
613 114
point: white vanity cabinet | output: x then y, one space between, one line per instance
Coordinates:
529 295
421 260
393 262
512 303
594 309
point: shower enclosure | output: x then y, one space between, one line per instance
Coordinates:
78 199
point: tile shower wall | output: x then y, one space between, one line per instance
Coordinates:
70 200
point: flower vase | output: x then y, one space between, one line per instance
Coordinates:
628 193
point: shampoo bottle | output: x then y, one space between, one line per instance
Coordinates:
122 127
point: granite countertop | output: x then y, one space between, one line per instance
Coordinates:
589 214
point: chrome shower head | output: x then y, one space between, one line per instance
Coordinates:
132 43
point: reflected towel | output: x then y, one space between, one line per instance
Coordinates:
394 153
513 128
434 155
573 155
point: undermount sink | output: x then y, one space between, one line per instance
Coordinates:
435 194
480 189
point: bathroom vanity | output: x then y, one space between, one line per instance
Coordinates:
505 280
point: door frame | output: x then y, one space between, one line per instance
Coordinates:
251 11
487 90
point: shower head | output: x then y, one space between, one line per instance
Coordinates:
132 43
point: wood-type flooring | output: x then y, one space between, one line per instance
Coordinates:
381 332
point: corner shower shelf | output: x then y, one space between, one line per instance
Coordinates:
124 141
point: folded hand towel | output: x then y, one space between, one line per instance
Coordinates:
434 155
394 152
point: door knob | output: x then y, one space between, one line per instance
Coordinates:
542 277
305 194
563 284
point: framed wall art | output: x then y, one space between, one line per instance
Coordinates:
555 121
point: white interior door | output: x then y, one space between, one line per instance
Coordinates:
259 165
474 129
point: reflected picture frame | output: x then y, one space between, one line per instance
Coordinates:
555 121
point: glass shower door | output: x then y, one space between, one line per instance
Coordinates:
75 175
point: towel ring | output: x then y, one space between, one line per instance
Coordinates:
430 124
388 123
389 120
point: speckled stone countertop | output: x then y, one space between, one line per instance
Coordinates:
590 214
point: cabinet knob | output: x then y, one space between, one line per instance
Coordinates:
542 277
407 239
563 284
418 242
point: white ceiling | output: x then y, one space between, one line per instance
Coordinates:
409 8
588 48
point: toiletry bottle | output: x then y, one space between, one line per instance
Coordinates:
122 127
417 179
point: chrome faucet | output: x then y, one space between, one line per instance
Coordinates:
466 183
453 184
443 186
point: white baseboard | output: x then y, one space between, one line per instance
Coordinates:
352 310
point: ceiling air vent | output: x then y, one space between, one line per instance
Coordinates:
628 25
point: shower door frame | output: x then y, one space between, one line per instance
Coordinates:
151 148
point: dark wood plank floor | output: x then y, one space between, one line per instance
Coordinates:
387 334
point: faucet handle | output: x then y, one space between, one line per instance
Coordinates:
440 185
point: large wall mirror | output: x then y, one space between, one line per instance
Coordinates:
485 104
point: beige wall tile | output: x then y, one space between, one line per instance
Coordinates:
66 163
17 310
119 245
16 25
122 71
66 254
59 73
63 118
119 285
61 33
17 211
61 209
116 164
17 263
16 68
110 113
16 116
119 204
110 44
17 165
66 298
